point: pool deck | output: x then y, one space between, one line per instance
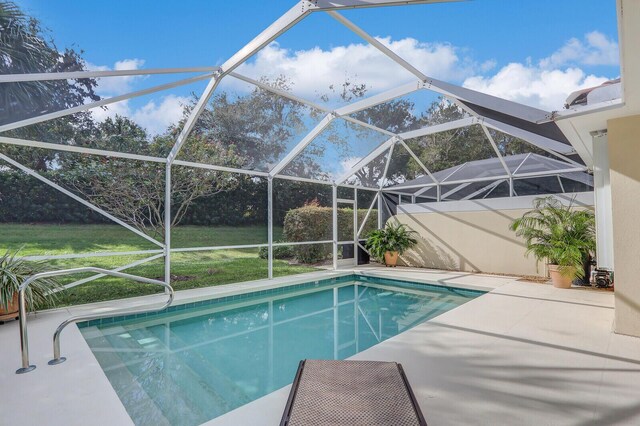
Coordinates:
523 353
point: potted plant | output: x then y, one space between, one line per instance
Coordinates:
13 272
390 242
562 236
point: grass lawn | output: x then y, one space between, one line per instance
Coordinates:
189 270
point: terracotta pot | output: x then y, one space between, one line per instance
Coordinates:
391 258
12 310
558 279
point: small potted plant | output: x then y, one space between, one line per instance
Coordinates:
390 242
13 272
562 236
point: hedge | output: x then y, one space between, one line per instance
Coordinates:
312 223
24 199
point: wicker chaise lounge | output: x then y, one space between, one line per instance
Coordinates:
328 393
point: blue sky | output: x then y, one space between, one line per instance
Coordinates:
534 51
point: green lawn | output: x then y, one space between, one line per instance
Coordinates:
189 270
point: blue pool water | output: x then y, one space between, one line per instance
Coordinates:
198 361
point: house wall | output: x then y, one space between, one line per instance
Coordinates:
624 163
474 235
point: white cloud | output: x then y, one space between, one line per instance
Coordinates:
155 116
313 71
346 164
113 86
533 85
595 49
547 84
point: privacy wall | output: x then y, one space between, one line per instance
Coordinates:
474 235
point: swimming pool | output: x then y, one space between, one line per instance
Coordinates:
197 361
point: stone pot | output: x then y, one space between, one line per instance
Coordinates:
391 258
558 279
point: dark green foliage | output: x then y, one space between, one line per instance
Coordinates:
559 234
394 237
24 199
314 223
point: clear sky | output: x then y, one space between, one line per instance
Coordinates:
531 51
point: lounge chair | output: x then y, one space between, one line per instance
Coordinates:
327 393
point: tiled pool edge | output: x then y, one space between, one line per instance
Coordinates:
252 293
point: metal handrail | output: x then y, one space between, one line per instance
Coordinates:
57 359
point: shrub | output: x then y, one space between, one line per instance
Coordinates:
279 252
313 223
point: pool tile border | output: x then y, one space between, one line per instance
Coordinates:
280 290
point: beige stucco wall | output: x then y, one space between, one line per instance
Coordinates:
472 236
624 162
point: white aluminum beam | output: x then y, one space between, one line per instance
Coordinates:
366 160
408 135
449 90
550 172
358 4
270 227
220 168
279 92
420 163
454 190
77 75
193 117
334 217
367 125
430 130
366 216
490 178
119 269
380 98
495 149
88 255
322 182
303 101
522 162
79 149
484 189
302 145
54 185
102 102
273 31
378 45
386 167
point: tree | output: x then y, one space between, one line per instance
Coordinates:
395 116
134 191
252 130
455 147
25 48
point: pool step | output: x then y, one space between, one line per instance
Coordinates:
139 404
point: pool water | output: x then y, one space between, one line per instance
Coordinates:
194 363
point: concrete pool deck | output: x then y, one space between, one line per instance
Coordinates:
523 353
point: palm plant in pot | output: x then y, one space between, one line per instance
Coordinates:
390 242
559 234
13 272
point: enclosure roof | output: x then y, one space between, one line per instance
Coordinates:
520 165
527 123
